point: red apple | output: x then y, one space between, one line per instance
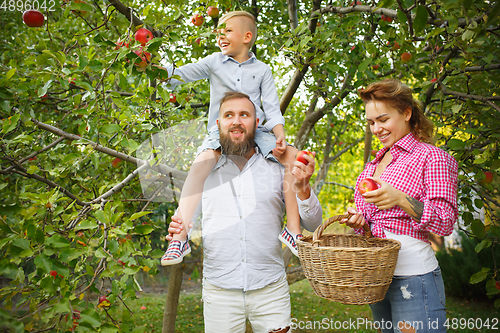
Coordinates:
497 285
198 41
33 18
145 57
71 80
53 273
115 162
300 156
434 80
143 36
81 12
376 66
32 159
406 56
173 98
143 307
386 18
367 185
488 177
396 46
120 43
357 3
103 302
197 19
212 11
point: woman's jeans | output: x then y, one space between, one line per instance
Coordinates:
416 301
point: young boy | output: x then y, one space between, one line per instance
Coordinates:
235 68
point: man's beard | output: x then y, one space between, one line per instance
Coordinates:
230 147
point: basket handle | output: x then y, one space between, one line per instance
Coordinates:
319 231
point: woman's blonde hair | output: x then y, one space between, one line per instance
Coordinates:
248 24
398 95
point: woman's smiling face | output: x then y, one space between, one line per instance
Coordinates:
386 123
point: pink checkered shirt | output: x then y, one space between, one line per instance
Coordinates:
423 172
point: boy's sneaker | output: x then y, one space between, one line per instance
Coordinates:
175 252
290 240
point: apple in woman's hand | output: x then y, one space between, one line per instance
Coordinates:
300 156
367 185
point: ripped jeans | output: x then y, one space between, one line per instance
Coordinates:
416 301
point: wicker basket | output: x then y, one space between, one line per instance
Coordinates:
348 269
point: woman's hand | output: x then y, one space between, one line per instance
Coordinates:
356 221
385 197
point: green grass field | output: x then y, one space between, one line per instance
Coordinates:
311 314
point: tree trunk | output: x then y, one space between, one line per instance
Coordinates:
173 291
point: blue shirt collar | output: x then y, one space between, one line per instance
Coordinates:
251 58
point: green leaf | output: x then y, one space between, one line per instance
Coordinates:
420 19
85 225
21 243
477 227
43 262
485 243
479 276
110 128
90 316
57 241
137 215
456 108
364 64
10 123
143 229
456 144
10 73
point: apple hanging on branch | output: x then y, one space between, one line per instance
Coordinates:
406 56
367 185
145 57
33 18
212 11
103 302
197 19
143 36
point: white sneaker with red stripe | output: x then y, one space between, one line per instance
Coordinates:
175 252
290 240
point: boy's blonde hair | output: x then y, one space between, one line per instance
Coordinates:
248 25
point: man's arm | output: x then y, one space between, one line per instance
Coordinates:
310 211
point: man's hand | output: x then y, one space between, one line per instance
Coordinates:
175 227
356 221
302 175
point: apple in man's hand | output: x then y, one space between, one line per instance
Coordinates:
367 185
143 36
33 18
300 156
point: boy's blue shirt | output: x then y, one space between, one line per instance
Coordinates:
252 77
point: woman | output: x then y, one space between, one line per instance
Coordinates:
417 190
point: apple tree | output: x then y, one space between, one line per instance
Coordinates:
79 95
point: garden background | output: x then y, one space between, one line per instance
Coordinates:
94 150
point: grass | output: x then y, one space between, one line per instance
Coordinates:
310 313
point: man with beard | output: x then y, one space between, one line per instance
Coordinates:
243 208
